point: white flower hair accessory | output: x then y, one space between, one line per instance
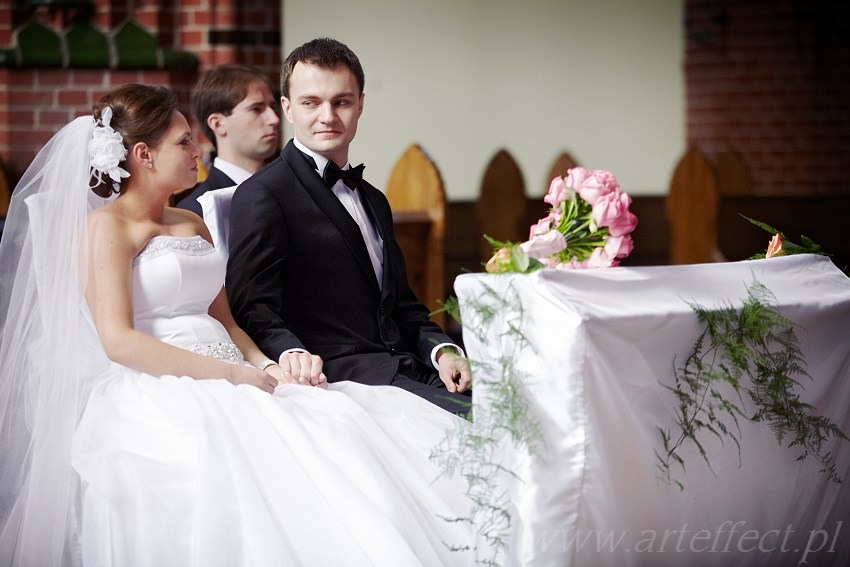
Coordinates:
106 151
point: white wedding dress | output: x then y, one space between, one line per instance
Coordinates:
185 472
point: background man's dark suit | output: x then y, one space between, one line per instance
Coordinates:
216 179
299 276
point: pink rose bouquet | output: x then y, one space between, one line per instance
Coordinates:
588 226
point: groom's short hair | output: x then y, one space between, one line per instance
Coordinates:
323 52
221 89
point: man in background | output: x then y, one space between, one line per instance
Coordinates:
238 113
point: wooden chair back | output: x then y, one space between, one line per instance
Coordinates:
418 200
562 164
692 209
501 206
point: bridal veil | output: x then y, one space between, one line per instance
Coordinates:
50 355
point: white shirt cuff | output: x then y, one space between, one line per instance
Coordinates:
437 348
287 351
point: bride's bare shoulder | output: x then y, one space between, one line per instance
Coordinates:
109 227
105 221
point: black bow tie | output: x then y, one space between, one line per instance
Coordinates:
351 177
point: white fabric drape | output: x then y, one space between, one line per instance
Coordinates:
216 207
601 345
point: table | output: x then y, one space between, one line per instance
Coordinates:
590 352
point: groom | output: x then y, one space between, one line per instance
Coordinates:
314 267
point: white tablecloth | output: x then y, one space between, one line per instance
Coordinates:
600 345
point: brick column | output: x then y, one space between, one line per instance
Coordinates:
771 80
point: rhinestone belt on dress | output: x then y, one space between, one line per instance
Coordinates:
220 351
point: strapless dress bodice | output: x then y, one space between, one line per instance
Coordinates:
175 279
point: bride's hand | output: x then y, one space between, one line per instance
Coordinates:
240 374
278 374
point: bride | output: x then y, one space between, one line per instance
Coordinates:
141 426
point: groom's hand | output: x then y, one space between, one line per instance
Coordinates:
303 368
454 371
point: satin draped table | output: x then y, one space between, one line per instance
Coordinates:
592 352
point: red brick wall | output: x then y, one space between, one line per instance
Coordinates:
5 23
232 31
34 103
770 79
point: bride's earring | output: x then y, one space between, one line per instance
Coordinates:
141 153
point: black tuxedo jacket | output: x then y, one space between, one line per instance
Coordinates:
299 276
216 179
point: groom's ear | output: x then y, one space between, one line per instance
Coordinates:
286 108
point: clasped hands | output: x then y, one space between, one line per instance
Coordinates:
298 367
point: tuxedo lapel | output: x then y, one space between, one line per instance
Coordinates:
380 222
330 205
217 179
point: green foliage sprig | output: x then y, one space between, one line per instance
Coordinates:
787 247
753 354
451 307
510 257
474 452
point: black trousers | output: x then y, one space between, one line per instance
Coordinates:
424 381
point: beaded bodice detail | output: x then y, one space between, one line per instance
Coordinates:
159 245
175 280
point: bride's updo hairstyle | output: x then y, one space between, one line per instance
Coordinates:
140 113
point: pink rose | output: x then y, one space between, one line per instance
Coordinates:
545 245
599 258
499 262
612 211
774 247
558 192
543 226
619 246
573 264
576 177
557 214
592 185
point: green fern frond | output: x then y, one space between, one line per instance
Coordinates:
755 353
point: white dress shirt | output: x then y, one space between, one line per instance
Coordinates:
236 173
353 203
